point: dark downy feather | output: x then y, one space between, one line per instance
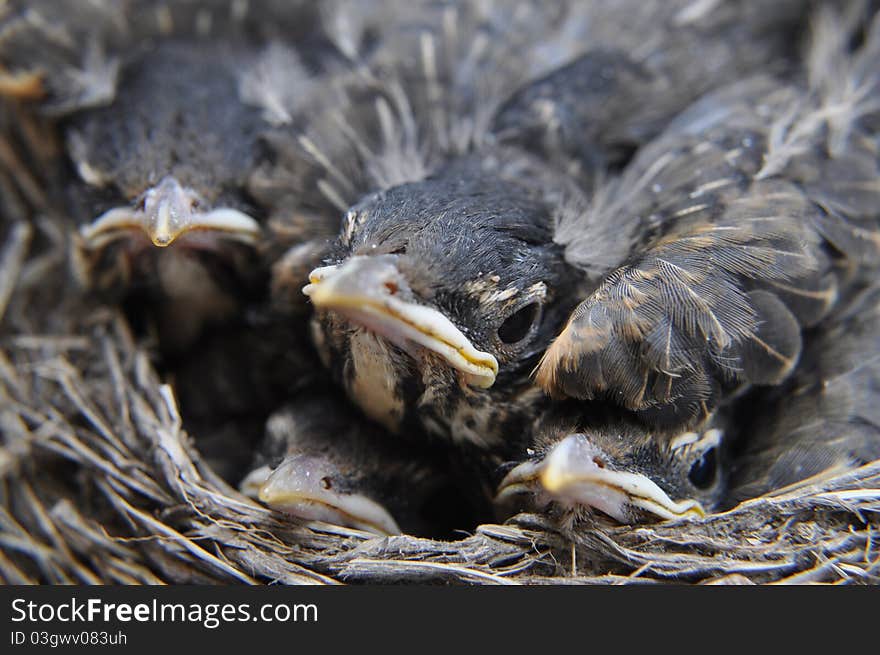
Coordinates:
826 418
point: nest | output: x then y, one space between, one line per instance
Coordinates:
102 483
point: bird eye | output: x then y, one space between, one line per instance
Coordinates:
516 326
703 471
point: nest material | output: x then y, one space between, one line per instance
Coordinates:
101 483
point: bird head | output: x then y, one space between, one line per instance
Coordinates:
321 461
439 298
316 489
628 475
167 160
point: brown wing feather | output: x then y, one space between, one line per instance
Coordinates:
656 332
732 258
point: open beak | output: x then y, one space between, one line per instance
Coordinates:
299 486
371 292
170 211
574 473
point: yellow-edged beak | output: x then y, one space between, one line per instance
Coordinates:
366 290
169 211
295 487
573 474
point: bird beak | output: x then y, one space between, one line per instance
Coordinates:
367 290
22 85
299 486
574 473
170 211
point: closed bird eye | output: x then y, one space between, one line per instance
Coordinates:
704 471
518 325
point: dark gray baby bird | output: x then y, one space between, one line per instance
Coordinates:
822 421
690 274
321 460
579 463
163 108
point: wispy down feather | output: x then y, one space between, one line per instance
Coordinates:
277 82
844 86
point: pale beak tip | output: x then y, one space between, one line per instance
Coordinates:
316 293
162 241
265 494
552 479
160 235
483 381
570 454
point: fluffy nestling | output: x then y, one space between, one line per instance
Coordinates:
579 463
321 461
164 108
692 272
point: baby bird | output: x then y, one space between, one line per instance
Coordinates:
646 61
169 159
321 461
690 274
163 108
822 421
578 464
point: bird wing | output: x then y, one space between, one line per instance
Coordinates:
732 254
826 418
657 333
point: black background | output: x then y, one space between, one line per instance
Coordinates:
557 620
